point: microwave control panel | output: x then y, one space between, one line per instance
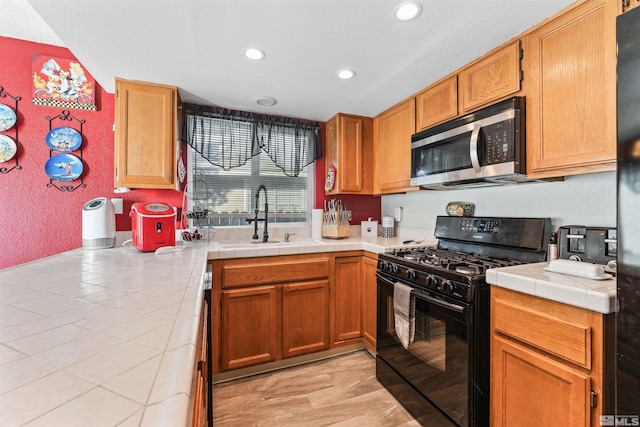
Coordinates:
498 149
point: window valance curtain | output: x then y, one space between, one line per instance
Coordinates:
228 138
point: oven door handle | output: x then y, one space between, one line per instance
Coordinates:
455 307
444 304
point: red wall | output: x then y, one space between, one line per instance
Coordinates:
37 221
362 207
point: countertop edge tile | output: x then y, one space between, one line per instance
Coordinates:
594 295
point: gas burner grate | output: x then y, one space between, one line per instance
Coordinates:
460 262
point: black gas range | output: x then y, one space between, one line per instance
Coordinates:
442 376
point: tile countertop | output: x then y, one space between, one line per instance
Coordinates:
532 279
107 337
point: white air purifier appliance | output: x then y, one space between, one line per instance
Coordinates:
98 224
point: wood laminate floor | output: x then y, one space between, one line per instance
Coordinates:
341 391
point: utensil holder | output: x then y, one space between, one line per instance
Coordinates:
388 224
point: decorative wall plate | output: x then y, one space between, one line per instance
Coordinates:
7 117
64 167
8 148
64 139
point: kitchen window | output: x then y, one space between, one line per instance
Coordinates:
230 195
232 153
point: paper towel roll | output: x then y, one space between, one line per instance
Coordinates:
316 223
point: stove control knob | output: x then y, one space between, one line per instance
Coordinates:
394 268
412 274
438 284
447 287
430 281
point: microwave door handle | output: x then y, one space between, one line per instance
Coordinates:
473 147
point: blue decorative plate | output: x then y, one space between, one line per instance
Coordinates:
64 140
63 167
7 148
7 117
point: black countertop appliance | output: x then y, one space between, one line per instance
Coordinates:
628 316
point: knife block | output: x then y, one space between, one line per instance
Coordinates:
335 231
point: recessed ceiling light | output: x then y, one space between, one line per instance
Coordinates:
254 53
408 10
266 101
346 74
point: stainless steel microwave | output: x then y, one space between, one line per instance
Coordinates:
484 147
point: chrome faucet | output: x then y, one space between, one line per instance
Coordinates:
265 234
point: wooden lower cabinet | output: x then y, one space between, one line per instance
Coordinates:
272 308
200 413
305 313
369 301
536 390
548 362
249 326
347 300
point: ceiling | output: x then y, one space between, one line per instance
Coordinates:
198 46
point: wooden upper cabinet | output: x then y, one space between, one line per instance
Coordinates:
392 131
437 103
146 123
349 150
570 73
492 77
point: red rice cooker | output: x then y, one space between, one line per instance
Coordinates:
153 225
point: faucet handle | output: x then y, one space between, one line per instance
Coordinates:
287 235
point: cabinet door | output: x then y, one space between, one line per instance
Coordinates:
331 155
201 393
437 103
530 389
249 326
347 299
349 145
145 136
305 317
570 64
493 77
199 417
392 144
369 302
350 172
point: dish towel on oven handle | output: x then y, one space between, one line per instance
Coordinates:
404 310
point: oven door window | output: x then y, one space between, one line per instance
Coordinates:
437 362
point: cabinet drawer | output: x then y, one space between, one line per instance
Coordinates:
546 325
261 272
